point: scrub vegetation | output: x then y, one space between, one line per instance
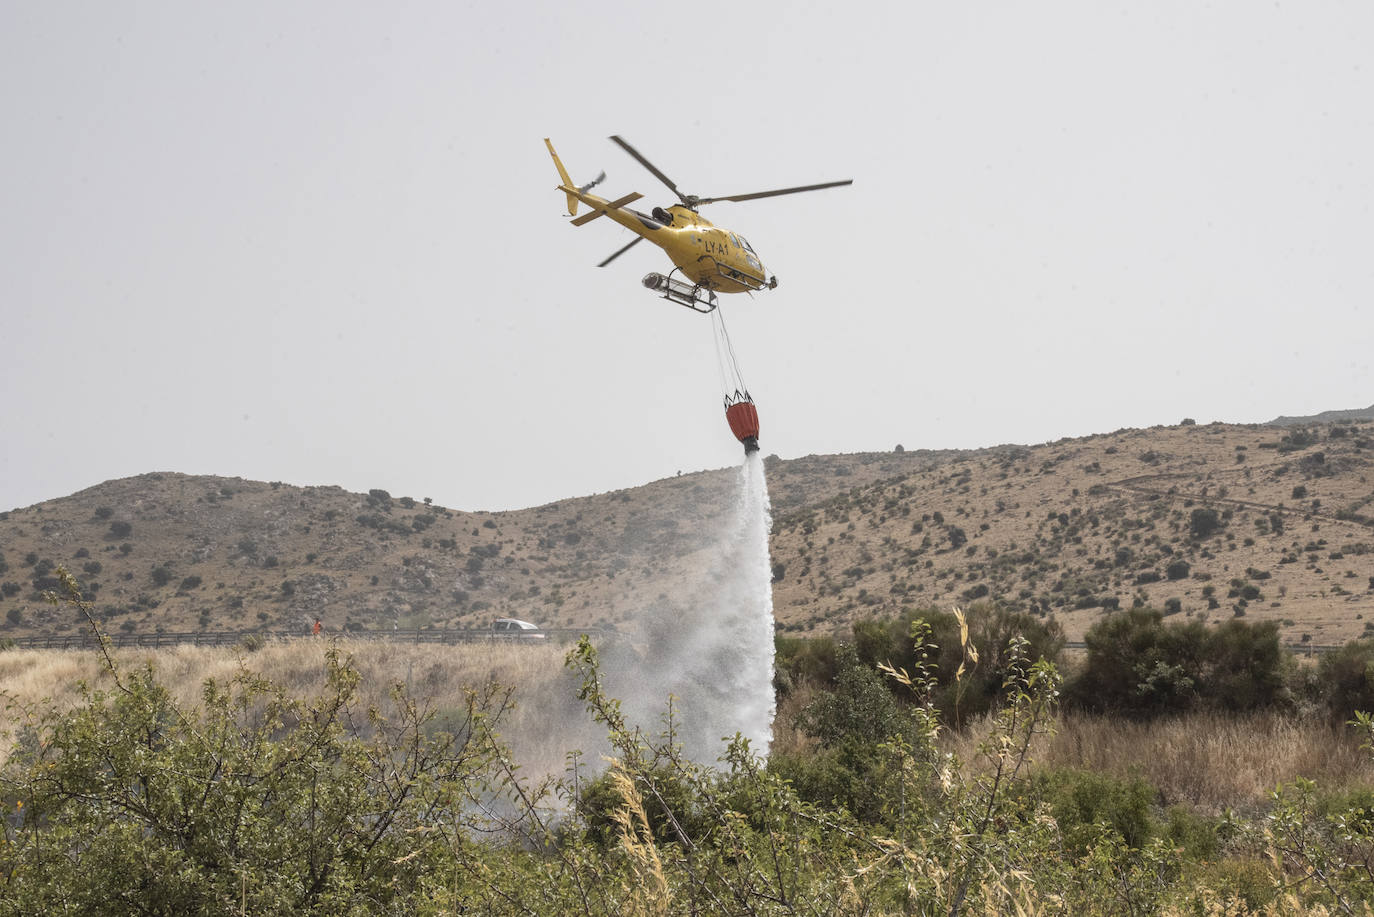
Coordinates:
942 763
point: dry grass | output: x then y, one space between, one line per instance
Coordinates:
1207 760
788 737
545 724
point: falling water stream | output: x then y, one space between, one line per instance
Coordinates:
711 648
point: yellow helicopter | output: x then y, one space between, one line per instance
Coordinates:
711 259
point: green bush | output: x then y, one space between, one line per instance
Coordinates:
1139 666
859 709
1085 801
1345 679
797 660
990 630
1195 834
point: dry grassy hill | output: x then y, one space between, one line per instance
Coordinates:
181 552
1213 520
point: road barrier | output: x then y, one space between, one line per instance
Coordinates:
1298 649
86 640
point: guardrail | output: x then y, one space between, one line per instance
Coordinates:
1298 649
86 640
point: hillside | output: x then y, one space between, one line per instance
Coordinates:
182 552
1213 520
1356 414
1221 520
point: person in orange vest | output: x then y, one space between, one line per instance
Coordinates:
316 629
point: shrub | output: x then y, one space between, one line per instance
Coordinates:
161 575
859 708
128 799
1178 570
121 529
1345 679
990 632
1139 666
798 660
1204 521
1084 801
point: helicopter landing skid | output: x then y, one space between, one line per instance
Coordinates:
693 296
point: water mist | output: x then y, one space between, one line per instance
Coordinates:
711 645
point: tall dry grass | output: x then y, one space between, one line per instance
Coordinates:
1209 761
546 722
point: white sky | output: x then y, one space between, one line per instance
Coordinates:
320 242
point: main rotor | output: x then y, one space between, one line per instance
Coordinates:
692 201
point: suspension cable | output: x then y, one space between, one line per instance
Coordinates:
732 380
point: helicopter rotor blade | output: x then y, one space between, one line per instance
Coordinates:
593 183
672 186
633 242
758 194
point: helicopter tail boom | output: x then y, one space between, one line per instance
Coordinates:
567 181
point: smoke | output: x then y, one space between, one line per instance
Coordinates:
711 646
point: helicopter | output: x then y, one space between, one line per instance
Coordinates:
709 258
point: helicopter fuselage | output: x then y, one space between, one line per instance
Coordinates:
708 255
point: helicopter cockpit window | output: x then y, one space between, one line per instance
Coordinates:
749 254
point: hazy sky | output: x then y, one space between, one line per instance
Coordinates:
320 242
